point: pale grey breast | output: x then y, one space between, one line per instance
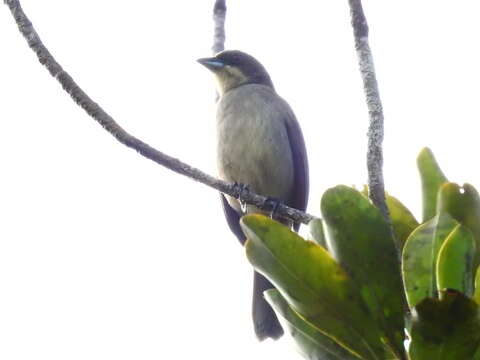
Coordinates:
253 147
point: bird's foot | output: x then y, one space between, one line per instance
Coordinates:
273 204
241 190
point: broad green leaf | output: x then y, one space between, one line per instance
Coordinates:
476 295
432 178
443 229
455 261
313 283
312 343
477 355
361 241
417 263
316 232
445 329
403 221
463 204
419 257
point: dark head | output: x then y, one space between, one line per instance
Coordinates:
234 68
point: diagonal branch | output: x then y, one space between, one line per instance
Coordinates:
104 119
376 185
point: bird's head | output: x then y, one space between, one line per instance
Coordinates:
234 68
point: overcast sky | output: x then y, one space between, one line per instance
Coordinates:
106 255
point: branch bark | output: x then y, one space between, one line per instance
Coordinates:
104 119
219 14
376 185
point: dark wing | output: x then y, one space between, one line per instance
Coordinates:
233 220
299 198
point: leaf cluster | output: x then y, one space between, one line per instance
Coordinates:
364 288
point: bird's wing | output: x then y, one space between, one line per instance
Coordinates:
299 197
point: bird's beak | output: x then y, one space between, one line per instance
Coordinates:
212 64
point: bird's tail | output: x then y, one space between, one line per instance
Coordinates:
264 319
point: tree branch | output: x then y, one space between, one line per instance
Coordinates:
104 119
376 185
219 13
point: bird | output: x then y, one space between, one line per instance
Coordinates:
260 145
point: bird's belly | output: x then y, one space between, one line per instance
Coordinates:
255 153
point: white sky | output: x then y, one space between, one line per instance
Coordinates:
105 255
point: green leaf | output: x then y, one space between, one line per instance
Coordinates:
455 261
463 204
361 241
420 254
432 178
316 232
403 221
477 355
312 343
313 283
445 329
417 266
476 295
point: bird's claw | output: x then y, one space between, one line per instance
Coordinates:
273 204
241 190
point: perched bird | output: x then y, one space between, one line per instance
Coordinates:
259 145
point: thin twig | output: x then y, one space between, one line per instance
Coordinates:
376 185
104 119
219 13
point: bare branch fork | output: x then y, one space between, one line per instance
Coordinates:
104 119
376 185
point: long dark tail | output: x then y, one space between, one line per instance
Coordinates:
264 319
